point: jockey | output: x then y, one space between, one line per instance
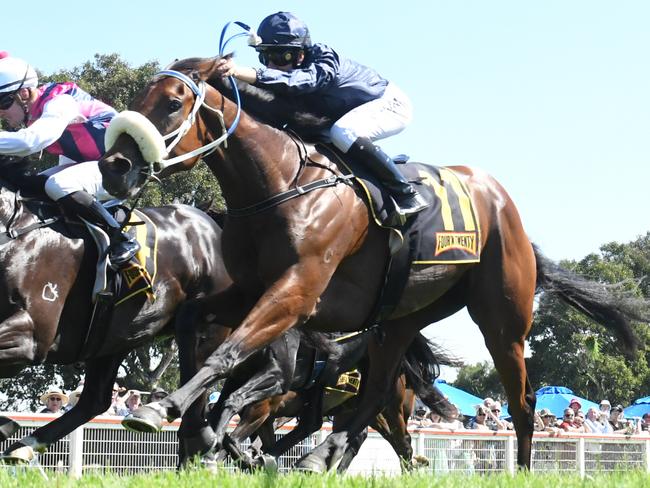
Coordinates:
366 106
63 120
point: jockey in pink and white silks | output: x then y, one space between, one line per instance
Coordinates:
64 120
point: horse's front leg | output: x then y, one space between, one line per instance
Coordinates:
288 302
95 399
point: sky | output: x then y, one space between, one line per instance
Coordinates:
550 97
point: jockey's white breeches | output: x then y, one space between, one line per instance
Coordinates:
69 178
377 119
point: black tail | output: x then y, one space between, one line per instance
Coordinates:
608 304
421 365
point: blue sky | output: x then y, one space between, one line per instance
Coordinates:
552 97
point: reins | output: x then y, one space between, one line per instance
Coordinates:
10 234
199 91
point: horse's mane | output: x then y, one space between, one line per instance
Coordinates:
281 112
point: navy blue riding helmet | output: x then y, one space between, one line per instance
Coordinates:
283 35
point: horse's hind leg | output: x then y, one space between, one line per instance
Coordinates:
95 399
500 301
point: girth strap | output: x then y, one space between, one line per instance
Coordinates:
276 200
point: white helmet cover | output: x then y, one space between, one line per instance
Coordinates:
15 74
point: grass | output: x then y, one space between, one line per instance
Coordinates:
197 478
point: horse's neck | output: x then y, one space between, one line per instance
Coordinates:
259 162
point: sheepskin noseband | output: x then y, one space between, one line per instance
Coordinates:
140 128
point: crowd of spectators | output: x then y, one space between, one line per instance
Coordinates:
123 401
488 416
603 420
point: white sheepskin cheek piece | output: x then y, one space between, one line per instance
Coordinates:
145 134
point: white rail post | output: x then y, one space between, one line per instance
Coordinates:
581 457
419 445
510 454
76 452
647 456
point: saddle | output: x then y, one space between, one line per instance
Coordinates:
447 232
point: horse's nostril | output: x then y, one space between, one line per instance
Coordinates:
117 164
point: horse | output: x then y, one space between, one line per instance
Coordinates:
317 259
47 270
305 387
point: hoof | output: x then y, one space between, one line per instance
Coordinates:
145 419
21 455
419 462
311 464
8 427
266 462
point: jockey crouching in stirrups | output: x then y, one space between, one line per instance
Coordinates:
63 120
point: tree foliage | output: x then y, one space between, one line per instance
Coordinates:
111 79
480 379
570 350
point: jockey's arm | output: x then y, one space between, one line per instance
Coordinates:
57 114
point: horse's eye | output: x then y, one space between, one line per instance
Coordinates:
175 105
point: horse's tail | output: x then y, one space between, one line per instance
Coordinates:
421 366
608 304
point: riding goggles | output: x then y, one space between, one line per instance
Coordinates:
7 100
278 57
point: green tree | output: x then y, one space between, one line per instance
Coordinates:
570 350
482 380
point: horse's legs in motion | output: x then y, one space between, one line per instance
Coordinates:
384 360
501 303
288 302
196 340
95 399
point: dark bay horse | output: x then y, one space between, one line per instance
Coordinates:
304 395
46 280
318 260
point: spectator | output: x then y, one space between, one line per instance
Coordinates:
452 425
619 426
567 424
131 404
53 399
575 405
604 411
645 424
117 401
420 418
74 397
549 422
595 424
480 418
157 394
579 422
494 420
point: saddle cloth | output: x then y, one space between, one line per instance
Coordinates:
447 232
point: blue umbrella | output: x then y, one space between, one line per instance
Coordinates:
638 408
557 398
465 402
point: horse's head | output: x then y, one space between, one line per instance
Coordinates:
163 118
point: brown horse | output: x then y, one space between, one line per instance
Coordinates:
318 260
47 271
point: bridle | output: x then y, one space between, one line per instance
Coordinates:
199 91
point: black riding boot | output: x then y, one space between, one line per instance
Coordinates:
122 247
378 162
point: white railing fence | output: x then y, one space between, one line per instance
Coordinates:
103 445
